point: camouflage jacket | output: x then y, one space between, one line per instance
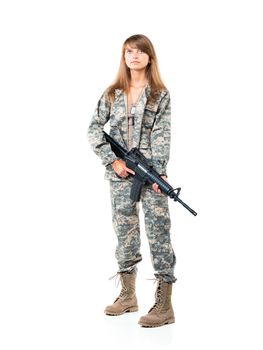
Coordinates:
151 133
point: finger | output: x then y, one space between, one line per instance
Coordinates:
130 171
122 173
155 187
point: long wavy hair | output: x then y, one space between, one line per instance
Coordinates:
123 79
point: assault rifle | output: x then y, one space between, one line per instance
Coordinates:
144 173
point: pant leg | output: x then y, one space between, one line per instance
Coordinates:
125 219
157 227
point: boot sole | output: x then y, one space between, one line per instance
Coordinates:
171 320
130 309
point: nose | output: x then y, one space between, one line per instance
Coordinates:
135 55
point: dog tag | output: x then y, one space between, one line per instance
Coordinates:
133 110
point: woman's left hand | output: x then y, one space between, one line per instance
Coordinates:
155 187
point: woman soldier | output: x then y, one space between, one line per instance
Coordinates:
137 105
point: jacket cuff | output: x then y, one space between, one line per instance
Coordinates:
109 159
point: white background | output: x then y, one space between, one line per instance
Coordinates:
57 242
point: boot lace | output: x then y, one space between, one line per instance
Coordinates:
117 277
158 296
124 289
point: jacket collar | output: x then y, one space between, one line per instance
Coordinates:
119 92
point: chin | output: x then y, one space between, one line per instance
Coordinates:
138 68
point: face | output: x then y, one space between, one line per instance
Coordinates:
135 59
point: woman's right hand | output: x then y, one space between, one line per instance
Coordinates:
120 168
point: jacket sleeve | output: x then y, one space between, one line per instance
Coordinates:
161 135
95 132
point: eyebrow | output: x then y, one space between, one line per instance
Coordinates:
132 48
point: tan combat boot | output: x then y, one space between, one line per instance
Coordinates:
162 311
126 301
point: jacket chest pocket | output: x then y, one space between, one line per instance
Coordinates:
117 118
149 116
117 114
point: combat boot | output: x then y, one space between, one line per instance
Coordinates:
126 301
162 311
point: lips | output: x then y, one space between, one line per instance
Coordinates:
135 62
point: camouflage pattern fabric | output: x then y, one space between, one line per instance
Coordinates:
151 133
125 218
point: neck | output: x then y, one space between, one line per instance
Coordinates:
138 78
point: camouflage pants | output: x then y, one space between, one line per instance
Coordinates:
125 218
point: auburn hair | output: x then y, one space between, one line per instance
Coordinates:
123 78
